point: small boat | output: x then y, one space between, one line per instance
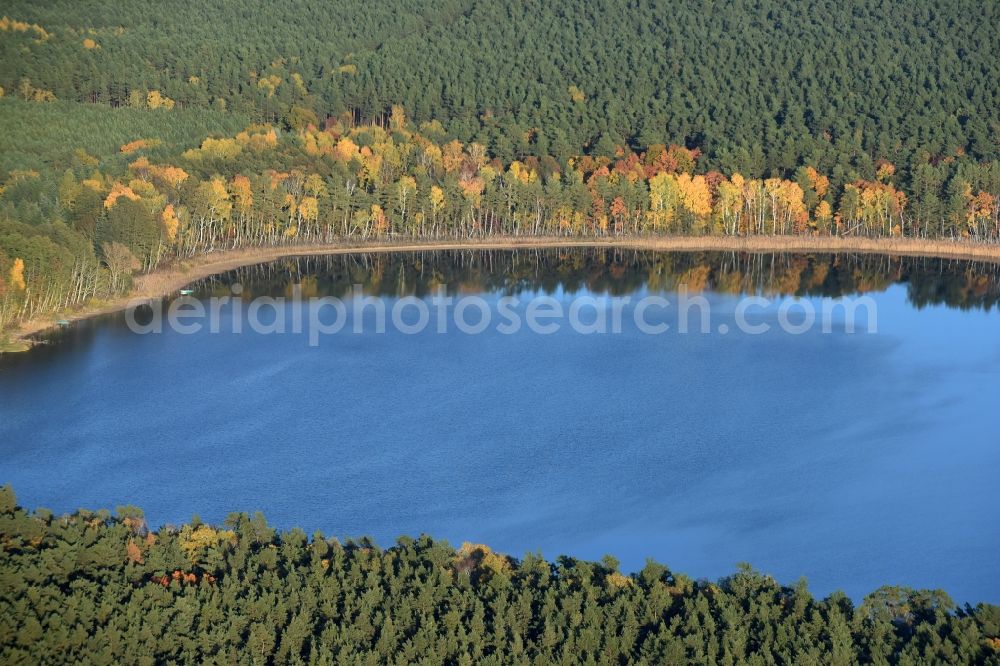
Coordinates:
63 323
187 292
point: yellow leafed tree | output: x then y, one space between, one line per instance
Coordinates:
309 209
17 275
215 149
823 215
664 196
157 100
200 542
242 194
170 222
523 173
695 194
437 198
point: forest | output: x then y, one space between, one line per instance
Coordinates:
104 588
75 227
758 86
131 138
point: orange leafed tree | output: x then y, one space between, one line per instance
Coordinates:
452 156
168 175
258 138
819 183
380 224
119 190
139 144
346 149
133 553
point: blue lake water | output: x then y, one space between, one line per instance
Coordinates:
855 460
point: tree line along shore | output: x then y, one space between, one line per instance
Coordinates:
99 587
373 184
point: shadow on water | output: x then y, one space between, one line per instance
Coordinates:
616 271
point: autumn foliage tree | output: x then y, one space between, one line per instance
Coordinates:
263 186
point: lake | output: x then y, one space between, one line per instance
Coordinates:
853 459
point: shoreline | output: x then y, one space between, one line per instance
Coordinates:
173 277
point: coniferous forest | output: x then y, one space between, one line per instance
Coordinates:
134 136
93 587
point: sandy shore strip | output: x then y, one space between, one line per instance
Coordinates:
171 278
